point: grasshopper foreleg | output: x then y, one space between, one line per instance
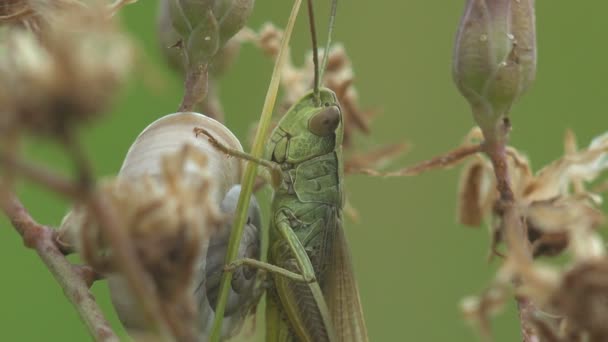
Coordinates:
274 168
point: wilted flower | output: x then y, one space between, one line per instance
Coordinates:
495 57
66 73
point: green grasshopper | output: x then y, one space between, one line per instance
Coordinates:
314 295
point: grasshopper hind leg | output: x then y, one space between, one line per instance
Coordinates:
273 269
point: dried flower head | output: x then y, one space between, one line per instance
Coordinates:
167 218
495 57
554 203
65 74
559 213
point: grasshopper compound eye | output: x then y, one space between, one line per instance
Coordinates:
325 122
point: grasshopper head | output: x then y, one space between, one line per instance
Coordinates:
308 129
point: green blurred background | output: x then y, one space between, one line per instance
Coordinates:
413 261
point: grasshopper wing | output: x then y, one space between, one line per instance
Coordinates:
342 293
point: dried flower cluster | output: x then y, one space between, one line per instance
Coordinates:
560 214
167 218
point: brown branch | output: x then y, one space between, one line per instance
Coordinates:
75 288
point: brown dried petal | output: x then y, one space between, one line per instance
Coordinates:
561 215
554 223
476 184
480 309
520 171
554 179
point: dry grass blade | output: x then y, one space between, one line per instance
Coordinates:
444 161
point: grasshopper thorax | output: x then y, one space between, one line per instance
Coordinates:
309 129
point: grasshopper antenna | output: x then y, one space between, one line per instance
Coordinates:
330 31
315 52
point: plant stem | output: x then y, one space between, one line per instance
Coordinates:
515 231
250 174
195 87
75 288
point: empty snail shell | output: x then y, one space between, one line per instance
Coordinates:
167 136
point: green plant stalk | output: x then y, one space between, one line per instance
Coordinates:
250 173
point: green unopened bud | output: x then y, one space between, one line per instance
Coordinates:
204 40
186 15
204 26
495 57
233 15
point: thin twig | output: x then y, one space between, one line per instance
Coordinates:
39 175
75 288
